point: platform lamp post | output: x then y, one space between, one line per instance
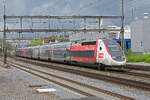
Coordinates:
4 37
122 25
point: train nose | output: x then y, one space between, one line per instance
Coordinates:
119 58
118 61
115 63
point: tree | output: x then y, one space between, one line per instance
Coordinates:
36 42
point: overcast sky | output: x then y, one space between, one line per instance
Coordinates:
75 7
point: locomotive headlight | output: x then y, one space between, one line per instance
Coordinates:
123 57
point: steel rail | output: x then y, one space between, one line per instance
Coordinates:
138 67
143 75
116 80
55 82
75 82
137 74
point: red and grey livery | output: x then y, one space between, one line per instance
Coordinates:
100 53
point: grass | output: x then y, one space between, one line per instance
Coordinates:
137 58
147 60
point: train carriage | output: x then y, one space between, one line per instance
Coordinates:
44 52
29 52
83 52
19 52
61 52
36 52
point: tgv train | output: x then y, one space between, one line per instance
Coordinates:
100 53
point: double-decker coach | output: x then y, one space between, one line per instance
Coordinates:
100 53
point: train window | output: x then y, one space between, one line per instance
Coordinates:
112 45
89 43
84 54
59 53
114 48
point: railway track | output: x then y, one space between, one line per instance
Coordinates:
116 80
44 75
143 75
137 74
137 67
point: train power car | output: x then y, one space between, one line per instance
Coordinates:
100 53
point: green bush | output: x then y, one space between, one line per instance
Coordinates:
128 52
36 43
130 58
138 58
147 60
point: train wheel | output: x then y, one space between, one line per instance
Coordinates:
49 59
101 67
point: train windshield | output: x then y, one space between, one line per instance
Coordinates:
114 48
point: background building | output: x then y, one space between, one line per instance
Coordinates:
54 39
127 38
140 35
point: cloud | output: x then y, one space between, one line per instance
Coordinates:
75 7
42 9
16 7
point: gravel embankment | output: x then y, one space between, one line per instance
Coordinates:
124 90
15 85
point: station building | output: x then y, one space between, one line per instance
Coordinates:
55 39
140 35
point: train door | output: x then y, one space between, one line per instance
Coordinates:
67 53
52 53
49 52
38 54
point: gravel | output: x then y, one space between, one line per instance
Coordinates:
10 91
124 90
